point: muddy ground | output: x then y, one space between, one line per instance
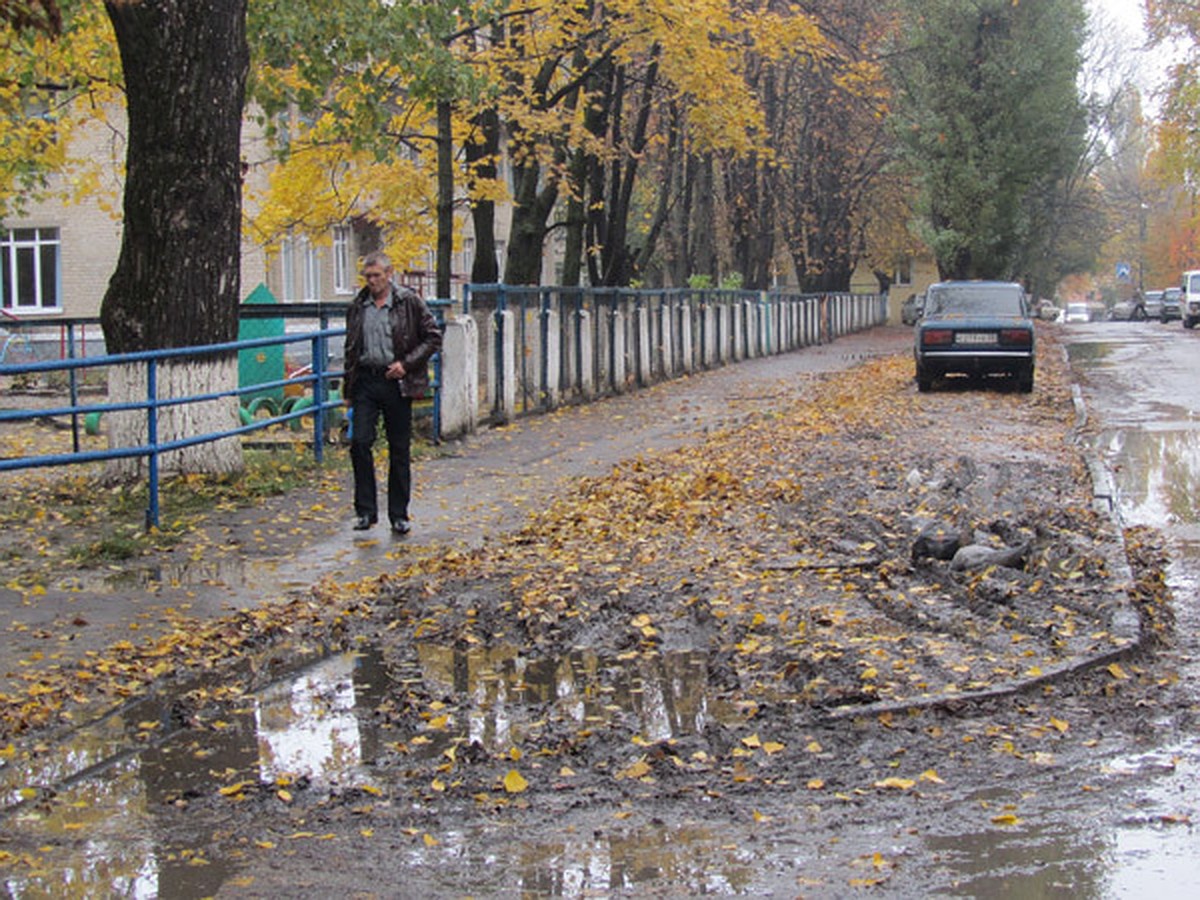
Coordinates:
753 663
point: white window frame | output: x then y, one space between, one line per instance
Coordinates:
287 270
343 270
312 271
41 241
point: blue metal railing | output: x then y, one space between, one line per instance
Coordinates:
317 379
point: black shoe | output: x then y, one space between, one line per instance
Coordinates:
401 526
362 523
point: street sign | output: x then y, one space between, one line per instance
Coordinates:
1124 271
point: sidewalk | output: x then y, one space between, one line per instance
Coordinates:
485 486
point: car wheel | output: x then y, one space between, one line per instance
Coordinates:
1188 323
1025 380
924 381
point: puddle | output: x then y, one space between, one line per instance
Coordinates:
101 798
1157 473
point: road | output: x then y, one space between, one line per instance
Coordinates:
1141 384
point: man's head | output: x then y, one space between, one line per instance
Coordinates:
377 273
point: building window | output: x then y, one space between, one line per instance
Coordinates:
287 270
904 271
30 261
343 271
312 271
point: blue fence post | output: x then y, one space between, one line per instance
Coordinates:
71 379
152 441
319 418
498 347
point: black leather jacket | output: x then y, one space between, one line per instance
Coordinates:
415 338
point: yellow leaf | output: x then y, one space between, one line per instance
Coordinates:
367 832
429 839
1117 672
900 784
931 775
514 783
752 741
773 747
759 817
232 789
1005 819
639 769
515 753
283 795
566 772
813 747
815 784
438 785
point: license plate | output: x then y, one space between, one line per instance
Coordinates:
975 337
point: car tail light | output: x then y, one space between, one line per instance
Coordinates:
937 337
1016 337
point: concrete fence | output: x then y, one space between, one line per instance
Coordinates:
511 351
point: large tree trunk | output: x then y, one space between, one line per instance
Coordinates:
482 151
177 280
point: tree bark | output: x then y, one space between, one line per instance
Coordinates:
177 279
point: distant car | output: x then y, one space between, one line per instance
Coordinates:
975 328
1152 303
910 309
1077 312
1172 304
1131 310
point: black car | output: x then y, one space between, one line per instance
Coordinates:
975 328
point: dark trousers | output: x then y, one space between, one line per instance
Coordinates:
374 394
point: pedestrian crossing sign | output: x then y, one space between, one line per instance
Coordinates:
1124 270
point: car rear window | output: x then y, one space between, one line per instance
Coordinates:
971 299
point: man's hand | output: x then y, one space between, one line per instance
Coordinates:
395 370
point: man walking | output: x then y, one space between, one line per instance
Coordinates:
390 336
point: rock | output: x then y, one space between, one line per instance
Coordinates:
977 556
936 542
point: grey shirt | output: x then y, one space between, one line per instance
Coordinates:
377 335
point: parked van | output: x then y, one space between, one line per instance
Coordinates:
1189 305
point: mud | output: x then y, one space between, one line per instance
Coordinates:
733 666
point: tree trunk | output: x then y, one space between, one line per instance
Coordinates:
482 151
445 200
177 279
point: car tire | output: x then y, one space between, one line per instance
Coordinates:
1188 323
1025 380
924 381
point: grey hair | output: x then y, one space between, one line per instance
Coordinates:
377 258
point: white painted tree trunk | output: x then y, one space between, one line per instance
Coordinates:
128 428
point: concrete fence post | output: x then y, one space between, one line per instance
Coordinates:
460 384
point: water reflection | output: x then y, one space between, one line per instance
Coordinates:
1157 472
108 799
693 860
